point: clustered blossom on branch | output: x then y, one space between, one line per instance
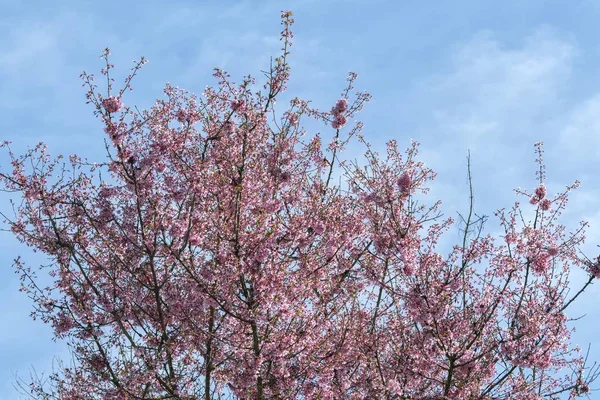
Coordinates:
111 104
339 119
212 256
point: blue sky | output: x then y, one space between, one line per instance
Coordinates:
482 76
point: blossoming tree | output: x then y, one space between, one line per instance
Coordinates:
211 255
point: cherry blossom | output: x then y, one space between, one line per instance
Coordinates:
222 250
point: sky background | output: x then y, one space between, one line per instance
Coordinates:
482 76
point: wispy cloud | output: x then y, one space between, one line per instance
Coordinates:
580 137
496 94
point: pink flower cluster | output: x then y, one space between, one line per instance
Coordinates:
595 268
339 119
540 197
404 182
190 117
112 104
238 105
293 119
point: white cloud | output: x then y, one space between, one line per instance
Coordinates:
581 135
497 92
27 54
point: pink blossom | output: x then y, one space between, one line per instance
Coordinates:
533 200
190 117
181 116
594 268
545 204
404 182
229 127
195 240
284 176
319 229
541 263
112 104
97 362
339 121
340 106
510 237
63 323
238 105
540 192
293 119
